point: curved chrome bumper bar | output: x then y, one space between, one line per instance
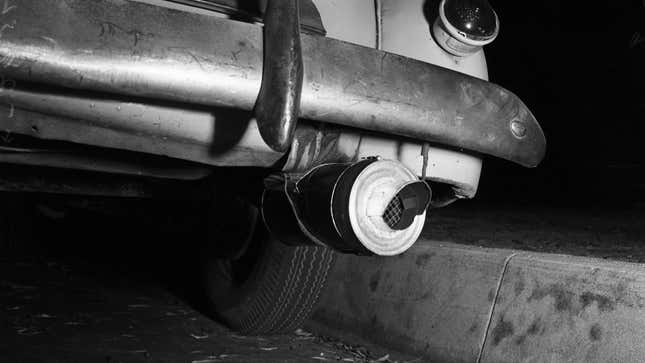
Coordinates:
136 49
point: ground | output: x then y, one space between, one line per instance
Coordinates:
117 282
610 232
53 313
96 287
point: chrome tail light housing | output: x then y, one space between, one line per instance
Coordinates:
463 27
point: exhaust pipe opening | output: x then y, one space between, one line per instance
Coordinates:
368 207
412 200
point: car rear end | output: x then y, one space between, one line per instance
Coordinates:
353 117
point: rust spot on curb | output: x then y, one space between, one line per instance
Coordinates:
473 328
595 333
563 297
423 259
534 329
519 286
603 302
502 330
374 281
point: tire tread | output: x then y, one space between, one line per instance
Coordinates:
284 289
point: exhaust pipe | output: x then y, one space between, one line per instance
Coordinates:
369 207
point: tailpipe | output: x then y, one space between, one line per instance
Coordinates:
368 207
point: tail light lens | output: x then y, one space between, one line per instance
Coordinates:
463 27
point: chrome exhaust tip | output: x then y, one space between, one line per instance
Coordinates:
370 207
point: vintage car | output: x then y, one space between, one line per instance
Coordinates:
323 126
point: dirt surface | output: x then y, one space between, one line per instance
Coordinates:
51 313
611 233
95 287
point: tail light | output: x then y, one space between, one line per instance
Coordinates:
463 27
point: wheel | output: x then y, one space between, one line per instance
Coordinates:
266 287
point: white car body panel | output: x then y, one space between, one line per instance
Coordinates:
400 27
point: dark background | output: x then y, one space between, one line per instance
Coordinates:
580 67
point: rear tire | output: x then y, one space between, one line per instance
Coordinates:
270 287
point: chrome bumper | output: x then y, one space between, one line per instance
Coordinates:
134 49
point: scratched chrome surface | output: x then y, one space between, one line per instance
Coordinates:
136 49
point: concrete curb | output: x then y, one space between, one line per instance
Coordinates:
455 303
